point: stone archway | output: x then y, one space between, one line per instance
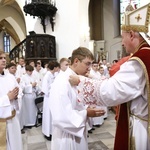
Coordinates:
12 21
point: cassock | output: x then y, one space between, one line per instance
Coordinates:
68 116
19 104
20 71
29 109
47 118
39 78
13 133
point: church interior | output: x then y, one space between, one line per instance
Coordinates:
50 30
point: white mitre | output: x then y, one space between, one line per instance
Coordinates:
138 20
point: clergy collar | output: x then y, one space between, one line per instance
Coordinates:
2 73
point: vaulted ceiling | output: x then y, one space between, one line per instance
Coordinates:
4 24
6 2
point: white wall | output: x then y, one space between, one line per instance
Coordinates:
67 27
112 43
84 28
144 2
71 28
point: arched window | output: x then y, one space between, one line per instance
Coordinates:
119 9
125 3
6 41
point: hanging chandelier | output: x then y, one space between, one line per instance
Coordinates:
42 9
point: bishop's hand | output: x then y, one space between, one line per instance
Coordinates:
74 79
95 112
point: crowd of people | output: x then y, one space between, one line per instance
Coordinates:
34 80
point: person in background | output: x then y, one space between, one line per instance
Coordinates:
114 61
38 75
48 79
12 70
94 73
32 63
104 65
20 68
64 64
69 116
29 86
42 69
9 124
45 69
101 71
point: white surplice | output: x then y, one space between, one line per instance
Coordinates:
13 135
39 78
47 118
128 84
19 105
29 109
20 71
68 117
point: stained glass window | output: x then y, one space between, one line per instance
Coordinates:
125 3
6 39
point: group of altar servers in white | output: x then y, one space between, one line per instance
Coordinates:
70 117
34 81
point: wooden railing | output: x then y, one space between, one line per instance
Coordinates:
18 51
35 47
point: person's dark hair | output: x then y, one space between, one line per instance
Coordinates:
69 58
115 61
81 53
37 63
10 65
53 64
103 59
29 68
94 62
30 61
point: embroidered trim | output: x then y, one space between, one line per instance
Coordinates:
89 95
139 117
148 88
135 28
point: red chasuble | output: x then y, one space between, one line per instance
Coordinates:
116 66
